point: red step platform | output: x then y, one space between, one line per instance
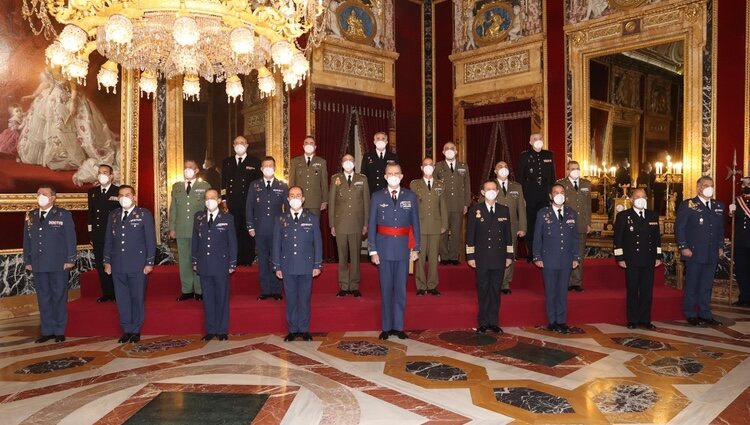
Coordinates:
603 301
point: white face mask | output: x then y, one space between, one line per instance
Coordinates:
490 195
348 166
103 179
295 203
380 144
575 174
502 173
42 200
538 145
240 149
708 192
428 170
449 154
559 199
309 149
212 204
126 202
268 172
189 173
640 203
393 181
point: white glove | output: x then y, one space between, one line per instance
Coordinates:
732 208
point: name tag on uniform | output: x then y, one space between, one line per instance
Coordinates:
547 160
114 198
461 171
405 204
571 221
359 184
249 167
653 223
719 211
200 190
278 190
55 223
514 192
306 224
316 165
222 224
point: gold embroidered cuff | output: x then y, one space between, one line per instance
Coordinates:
510 249
469 249
618 252
658 250
223 192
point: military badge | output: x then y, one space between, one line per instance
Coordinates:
337 182
479 214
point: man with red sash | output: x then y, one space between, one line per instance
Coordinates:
393 241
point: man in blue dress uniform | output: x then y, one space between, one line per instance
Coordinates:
49 252
557 253
297 258
102 199
489 250
265 204
699 231
393 242
214 254
129 253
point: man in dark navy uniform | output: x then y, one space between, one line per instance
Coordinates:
638 250
489 250
237 172
393 242
557 253
699 232
102 200
374 163
214 256
265 203
49 252
129 254
536 173
297 258
742 243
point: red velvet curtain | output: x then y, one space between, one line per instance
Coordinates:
334 112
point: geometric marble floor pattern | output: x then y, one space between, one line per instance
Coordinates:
598 374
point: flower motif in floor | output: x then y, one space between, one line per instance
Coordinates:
54 365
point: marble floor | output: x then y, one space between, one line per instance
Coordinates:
599 374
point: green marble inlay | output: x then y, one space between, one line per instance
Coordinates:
536 354
199 408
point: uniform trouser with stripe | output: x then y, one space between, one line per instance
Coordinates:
245 243
488 295
639 281
429 245
189 279
52 297
348 247
130 290
393 276
216 303
508 275
450 241
298 288
269 284
105 280
742 264
576 276
699 281
556 294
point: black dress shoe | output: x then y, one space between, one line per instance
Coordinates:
306 336
563 328
481 329
456 262
740 304
575 288
290 337
262 297
421 293
59 338
497 330
712 322
199 297
400 334
552 327
223 337
384 335
277 297
125 338
208 337
102 299
444 262
43 338
694 321
631 326
648 326
434 292
341 294
184 297
355 293
506 291
135 338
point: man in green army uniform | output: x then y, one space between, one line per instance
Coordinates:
578 197
433 222
188 197
310 172
349 204
455 175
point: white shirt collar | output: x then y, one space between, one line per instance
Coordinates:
638 210
428 179
45 211
500 182
191 181
555 208
349 174
490 205
572 180
106 188
704 200
390 191
265 181
213 214
296 212
451 162
379 153
130 209
241 158
310 157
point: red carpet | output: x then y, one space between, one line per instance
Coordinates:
603 301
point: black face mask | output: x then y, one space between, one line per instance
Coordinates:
746 190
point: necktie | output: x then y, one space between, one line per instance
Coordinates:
268 185
429 185
210 220
42 215
296 217
239 161
559 215
708 205
104 191
308 161
349 180
380 155
393 196
575 183
641 214
124 216
451 164
189 186
492 210
505 190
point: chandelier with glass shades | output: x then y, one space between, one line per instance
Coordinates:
217 40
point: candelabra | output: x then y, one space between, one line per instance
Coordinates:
670 175
600 175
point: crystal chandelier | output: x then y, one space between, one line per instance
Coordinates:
217 40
